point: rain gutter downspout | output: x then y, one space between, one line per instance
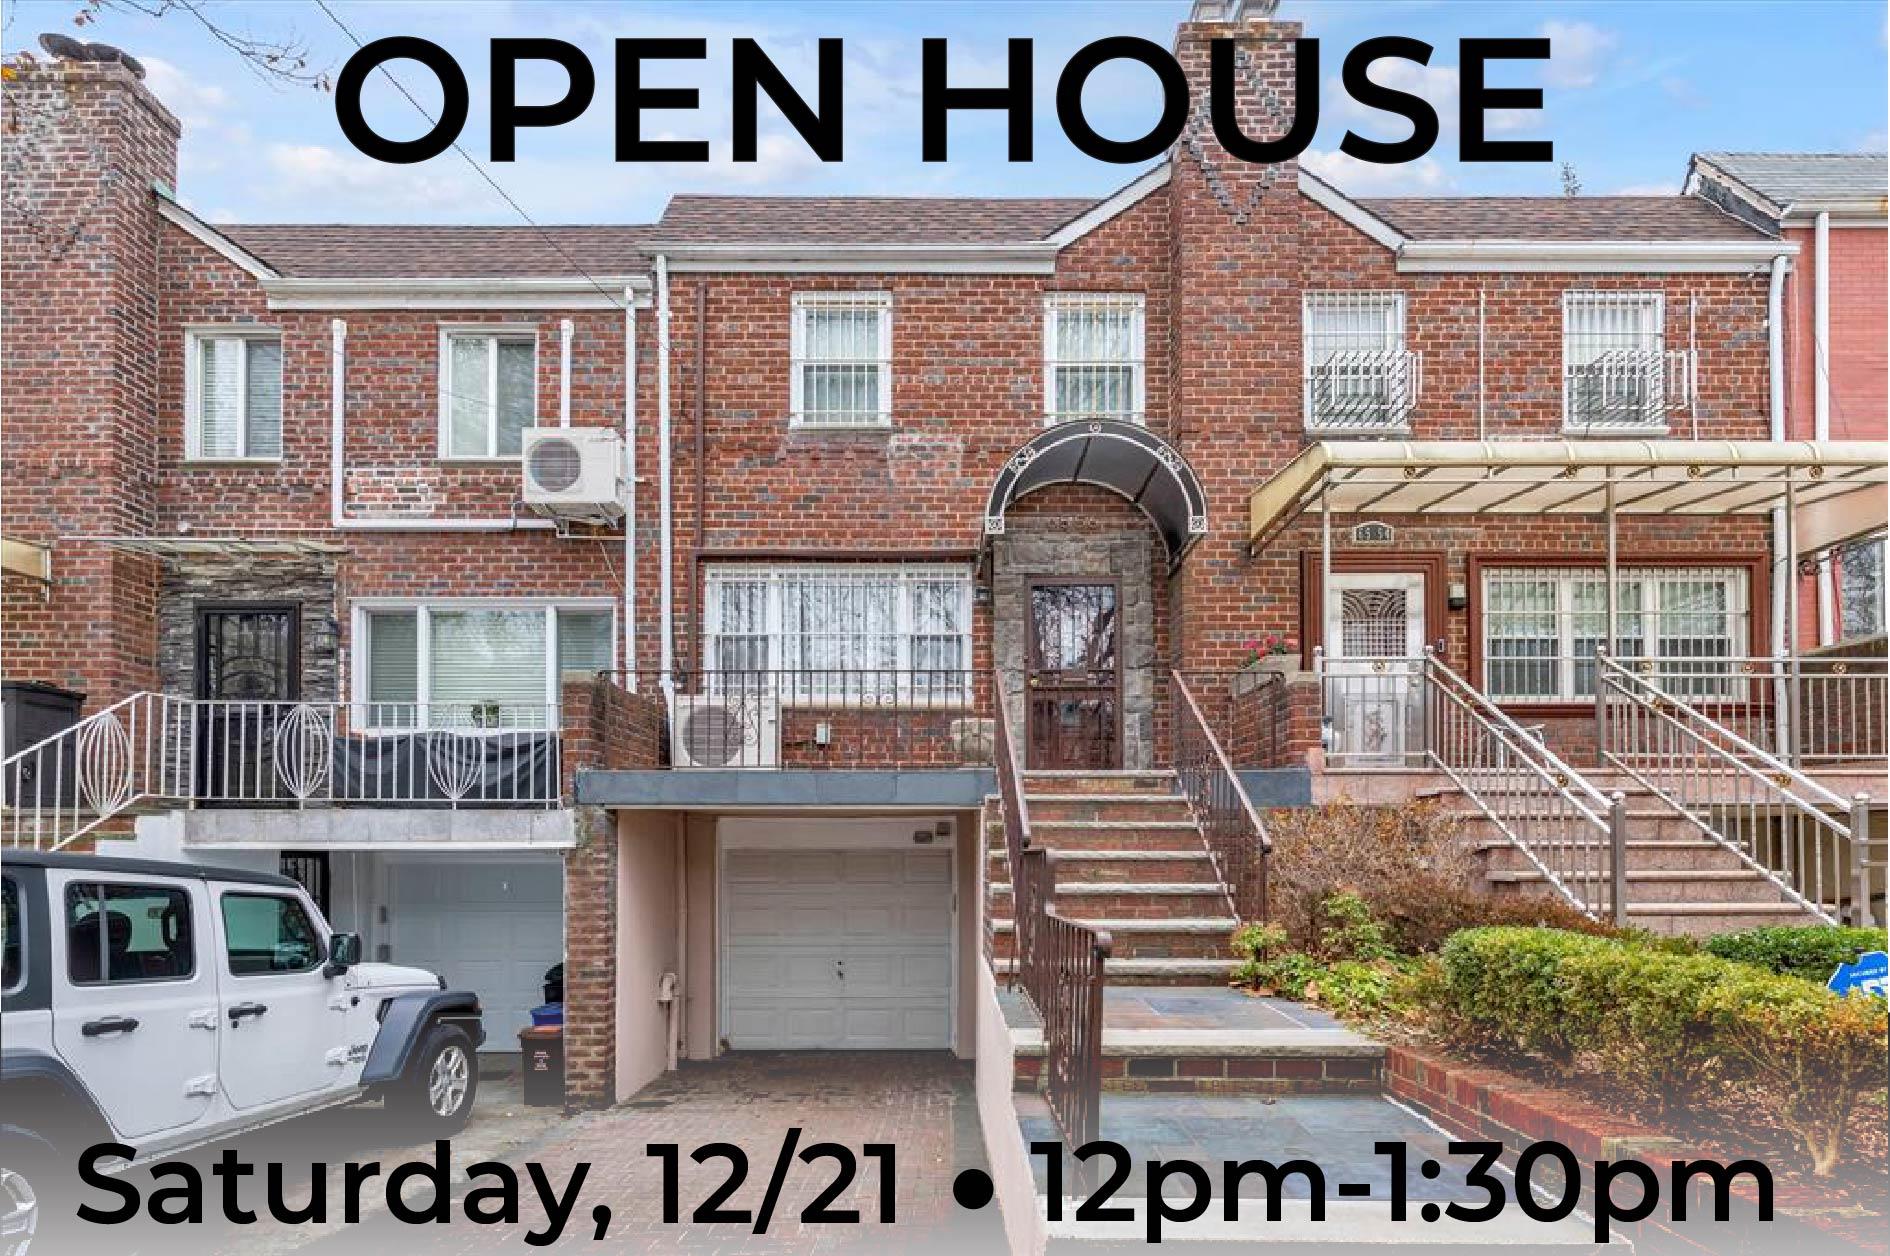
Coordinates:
1783 581
1821 392
630 489
666 558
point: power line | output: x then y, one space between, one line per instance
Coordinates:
614 298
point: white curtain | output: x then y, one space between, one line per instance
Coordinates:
486 657
1094 357
841 363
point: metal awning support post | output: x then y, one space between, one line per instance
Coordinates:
1612 594
1611 635
1788 716
1325 558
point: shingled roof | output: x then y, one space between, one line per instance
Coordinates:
1807 178
864 219
1557 218
440 252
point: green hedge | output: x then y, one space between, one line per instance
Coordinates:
1809 951
1677 1026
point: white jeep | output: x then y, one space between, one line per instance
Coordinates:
165 1005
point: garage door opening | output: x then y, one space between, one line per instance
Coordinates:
842 947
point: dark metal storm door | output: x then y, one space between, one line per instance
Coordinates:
249 665
1074 686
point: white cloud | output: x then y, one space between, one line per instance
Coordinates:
1364 178
1435 83
1646 189
345 182
1577 51
196 103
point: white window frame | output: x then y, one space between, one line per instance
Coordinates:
903 668
364 609
1395 306
194 338
799 305
1053 304
1654 426
492 333
1738 618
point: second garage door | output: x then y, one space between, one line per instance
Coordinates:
843 949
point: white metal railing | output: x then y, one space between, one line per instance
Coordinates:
157 750
133 752
1363 390
1807 840
1566 828
1628 388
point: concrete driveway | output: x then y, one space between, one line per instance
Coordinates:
921 1103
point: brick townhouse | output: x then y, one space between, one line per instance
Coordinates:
677 599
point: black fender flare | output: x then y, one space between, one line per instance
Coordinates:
43 1096
406 1022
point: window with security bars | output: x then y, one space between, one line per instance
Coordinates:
1359 376
1615 363
233 386
839 632
842 360
1861 589
1093 356
1542 627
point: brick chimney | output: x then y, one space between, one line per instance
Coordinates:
1235 231
83 143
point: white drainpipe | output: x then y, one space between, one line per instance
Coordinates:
630 488
1783 582
665 560
565 328
1821 392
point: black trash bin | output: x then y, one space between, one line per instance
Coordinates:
554 984
542 1050
30 713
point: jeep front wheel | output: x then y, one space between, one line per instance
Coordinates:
436 1096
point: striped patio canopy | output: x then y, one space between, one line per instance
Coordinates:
1840 486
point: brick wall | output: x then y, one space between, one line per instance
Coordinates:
77 248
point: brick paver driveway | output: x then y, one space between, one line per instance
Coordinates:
921 1103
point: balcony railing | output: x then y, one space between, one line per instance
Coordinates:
1360 391
1627 389
826 717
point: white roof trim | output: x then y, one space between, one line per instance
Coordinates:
1658 256
527 293
1036 257
210 237
1321 193
1124 199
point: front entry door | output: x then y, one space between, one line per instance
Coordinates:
1374 650
1074 685
249 662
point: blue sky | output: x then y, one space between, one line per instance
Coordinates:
1631 90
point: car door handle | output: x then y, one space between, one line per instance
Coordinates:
108 1025
240 1010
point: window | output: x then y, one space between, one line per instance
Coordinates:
1358 375
12 937
1542 627
842 360
233 394
839 631
1614 362
127 933
472 667
488 392
1860 589
266 933
1092 355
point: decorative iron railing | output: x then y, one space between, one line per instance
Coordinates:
134 753
1572 834
1812 844
1363 390
1232 829
1627 388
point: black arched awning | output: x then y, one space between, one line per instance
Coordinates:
1125 458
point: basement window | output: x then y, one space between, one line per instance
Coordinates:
233 395
488 391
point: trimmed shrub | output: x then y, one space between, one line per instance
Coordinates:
1670 1022
1812 952
1420 913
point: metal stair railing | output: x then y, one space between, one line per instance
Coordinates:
1235 835
1810 842
138 751
1567 829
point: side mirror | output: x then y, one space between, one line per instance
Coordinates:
344 952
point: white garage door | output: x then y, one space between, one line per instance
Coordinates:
489 926
837 948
